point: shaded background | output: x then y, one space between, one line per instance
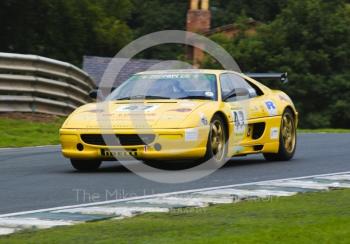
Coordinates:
310 39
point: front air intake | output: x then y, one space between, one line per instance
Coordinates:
118 139
258 130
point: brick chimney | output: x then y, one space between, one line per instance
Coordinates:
198 20
198 16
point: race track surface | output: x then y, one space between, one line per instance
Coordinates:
35 178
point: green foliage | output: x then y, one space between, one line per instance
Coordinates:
310 40
158 15
227 11
64 30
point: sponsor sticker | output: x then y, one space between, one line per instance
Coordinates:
166 76
181 110
191 134
271 108
238 149
255 108
284 98
239 121
274 133
249 131
209 94
137 108
203 120
173 117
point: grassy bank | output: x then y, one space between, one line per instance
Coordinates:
326 130
18 132
307 218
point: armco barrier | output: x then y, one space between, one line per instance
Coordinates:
30 83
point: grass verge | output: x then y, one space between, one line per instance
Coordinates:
22 132
322 217
324 130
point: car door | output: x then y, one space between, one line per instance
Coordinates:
254 103
243 107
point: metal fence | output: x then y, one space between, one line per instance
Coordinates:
30 83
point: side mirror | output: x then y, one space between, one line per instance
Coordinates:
93 94
242 92
238 92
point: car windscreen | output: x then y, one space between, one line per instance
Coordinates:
167 86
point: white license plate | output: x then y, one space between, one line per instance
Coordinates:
117 153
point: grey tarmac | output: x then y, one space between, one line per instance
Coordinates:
40 177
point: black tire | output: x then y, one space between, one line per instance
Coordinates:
285 152
217 158
85 165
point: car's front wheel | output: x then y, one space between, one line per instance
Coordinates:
85 165
216 145
288 139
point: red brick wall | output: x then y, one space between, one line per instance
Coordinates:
198 20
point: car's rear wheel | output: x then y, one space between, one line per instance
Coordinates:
287 139
216 145
85 165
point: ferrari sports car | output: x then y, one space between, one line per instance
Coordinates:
183 114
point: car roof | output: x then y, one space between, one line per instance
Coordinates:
186 71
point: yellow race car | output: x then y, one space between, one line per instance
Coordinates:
183 114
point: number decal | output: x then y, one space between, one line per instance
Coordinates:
239 121
137 108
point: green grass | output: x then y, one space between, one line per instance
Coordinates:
326 130
19 133
305 218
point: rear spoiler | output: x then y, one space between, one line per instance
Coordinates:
283 77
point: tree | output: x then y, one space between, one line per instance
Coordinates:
157 15
64 30
310 40
227 11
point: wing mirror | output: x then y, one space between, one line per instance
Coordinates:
238 92
242 92
100 91
93 94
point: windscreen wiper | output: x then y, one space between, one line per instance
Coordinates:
155 97
124 98
196 97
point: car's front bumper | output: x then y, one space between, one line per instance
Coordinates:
174 144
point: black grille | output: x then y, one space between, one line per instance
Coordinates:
124 139
258 130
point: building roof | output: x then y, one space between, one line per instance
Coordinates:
96 66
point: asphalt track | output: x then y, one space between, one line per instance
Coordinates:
35 178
